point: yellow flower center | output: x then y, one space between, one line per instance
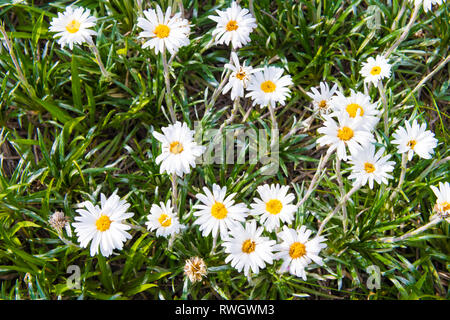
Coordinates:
445 206
73 26
176 147
231 25
219 211
268 86
248 246
103 223
162 31
297 250
345 133
411 143
165 220
274 206
369 167
241 75
352 108
323 104
375 71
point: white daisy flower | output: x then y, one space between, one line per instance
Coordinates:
267 87
374 70
233 25
163 220
358 104
369 166
442 206
415 139
179 149
218 212
297 252
247 249
103 225
321 99
165 32
427 4
274 206
239 78
72 26
348 132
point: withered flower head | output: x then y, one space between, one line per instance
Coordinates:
58 221
195 269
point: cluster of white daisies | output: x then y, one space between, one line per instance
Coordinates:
162 31
348 129
217 214
348 126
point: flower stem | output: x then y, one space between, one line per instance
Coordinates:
66 241
168 88
273 119
99 59
399 15
135 227
402 176
214 244
179 3
341 191
139 5
412 233
425 80
217 91
251 7
311 188
385 106
338 207
174 192
230 119
405 31
171 242
219 88
20 74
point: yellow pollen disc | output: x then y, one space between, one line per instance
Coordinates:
375 71
445 206
323 104
219 211
241 75
297 250
103 223
248 246
345 133
231 25
352 108
274 206
165 220
73 26
369 167
268 86
411 144
176 147
162 31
